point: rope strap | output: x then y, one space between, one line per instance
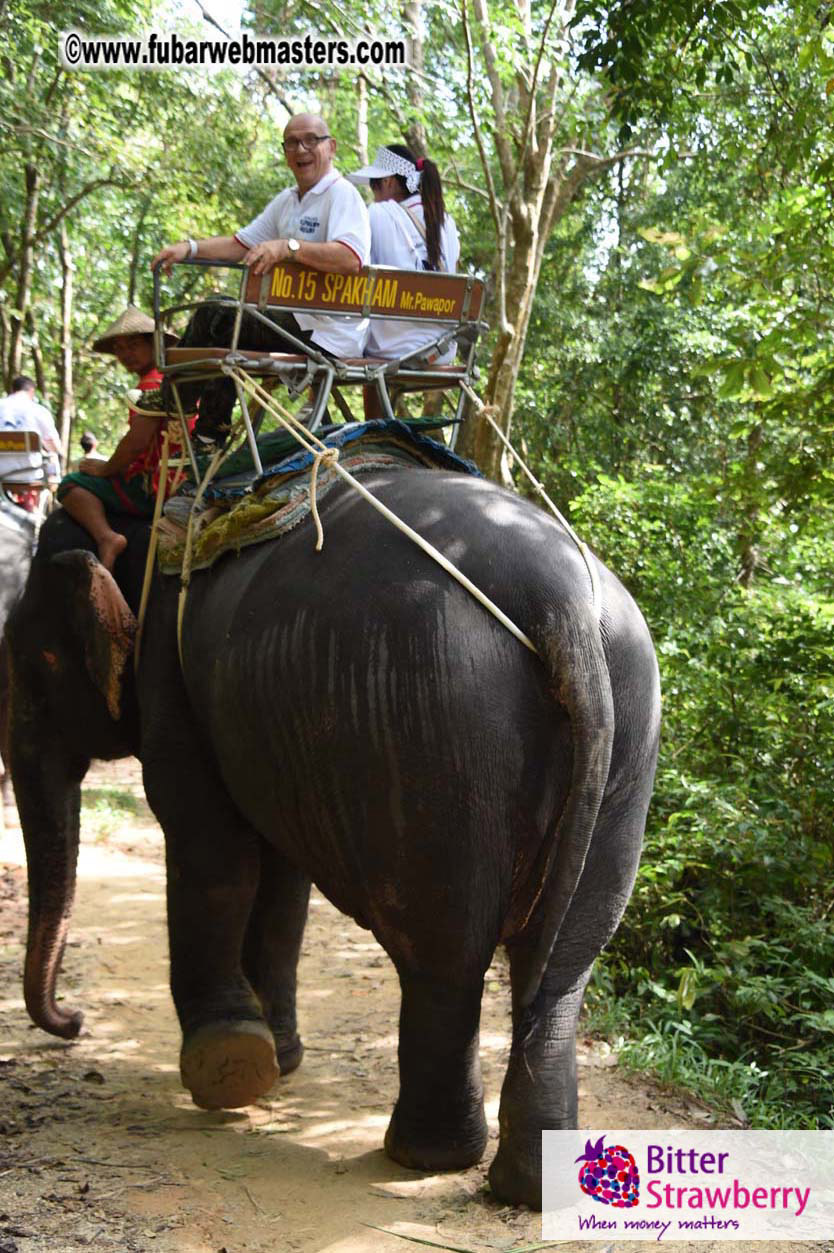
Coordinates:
330 456
320 450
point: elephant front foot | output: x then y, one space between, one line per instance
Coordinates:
226 1065
443 1145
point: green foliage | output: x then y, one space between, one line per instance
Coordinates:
679 388
123 165
651 53
724 960
708 359
106 810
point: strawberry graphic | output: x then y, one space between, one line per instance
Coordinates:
609 1175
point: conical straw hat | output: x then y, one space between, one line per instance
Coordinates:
132 322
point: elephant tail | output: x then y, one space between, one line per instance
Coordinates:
574 657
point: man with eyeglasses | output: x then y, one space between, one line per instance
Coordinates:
322 222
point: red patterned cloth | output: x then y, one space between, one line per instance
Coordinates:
147 463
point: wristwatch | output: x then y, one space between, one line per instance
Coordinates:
293 245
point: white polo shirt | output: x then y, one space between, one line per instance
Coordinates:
395 240
19 412
330 212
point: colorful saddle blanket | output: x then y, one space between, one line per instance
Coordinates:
243 509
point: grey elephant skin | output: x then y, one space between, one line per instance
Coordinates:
355 718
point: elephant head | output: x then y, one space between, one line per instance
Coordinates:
72 699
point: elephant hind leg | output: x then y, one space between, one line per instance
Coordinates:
438 1122
539 1091
226 1065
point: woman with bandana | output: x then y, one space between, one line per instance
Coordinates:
410 229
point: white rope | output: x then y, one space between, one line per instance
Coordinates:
331 456
580 544
316 446
439 558
305 437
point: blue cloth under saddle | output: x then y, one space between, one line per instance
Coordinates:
238 476
247 508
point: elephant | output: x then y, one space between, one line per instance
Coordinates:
18 535
355 718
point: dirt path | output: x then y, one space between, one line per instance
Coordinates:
100 1149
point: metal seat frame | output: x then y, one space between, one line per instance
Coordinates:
303 364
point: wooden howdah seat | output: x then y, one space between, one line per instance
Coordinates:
27 473
23 459
451 303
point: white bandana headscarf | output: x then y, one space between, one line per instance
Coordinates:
390 162
387 162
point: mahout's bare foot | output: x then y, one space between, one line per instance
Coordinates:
109 548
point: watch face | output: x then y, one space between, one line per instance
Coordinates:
293 245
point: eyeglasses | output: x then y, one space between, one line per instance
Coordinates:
307 142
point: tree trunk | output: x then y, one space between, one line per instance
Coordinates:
478 440
748 538
533 155
24 284
136 251
5 340
362 119
66 399
37 355
415 131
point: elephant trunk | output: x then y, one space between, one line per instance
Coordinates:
51 891
47 784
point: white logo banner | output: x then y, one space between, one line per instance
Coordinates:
688 1185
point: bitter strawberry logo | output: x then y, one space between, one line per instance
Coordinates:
609 1175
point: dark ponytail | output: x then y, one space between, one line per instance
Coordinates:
431 194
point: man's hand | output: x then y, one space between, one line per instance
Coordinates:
172 253
94 466
264 256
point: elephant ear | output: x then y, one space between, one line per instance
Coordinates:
104 621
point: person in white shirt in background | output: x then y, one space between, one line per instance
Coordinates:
410 229
19 411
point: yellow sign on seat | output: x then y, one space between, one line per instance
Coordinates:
20 442
375 291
